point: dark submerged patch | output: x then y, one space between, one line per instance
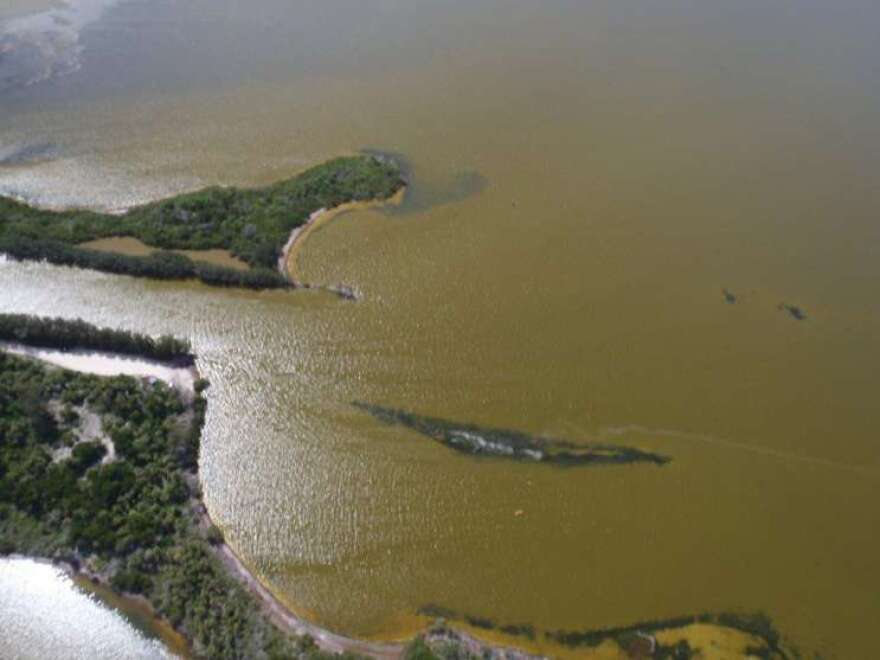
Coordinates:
27 154
422 195
794 311
513 445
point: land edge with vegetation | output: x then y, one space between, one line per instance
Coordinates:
299 235
256 225
302 639
299 638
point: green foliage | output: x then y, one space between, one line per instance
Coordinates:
214 535
418 649
161 265
133 514
85 455
253 224
67 335
680 651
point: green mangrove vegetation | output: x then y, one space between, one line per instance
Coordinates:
122 506
100 473
757 625
67 335
253 224
515 445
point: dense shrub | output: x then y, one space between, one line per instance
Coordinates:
253 224
133 513
67 334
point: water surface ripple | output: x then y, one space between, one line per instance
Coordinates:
629 162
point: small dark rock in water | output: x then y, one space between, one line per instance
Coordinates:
794 311
729 296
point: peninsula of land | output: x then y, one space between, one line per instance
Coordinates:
222 236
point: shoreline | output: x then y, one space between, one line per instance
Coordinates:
284 618
734 631
250 223
287 260
281 615
107 363
277 612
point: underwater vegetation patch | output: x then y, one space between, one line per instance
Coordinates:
729 296
514 445
423 194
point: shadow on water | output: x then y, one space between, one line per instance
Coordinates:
514 445
15 155
423 195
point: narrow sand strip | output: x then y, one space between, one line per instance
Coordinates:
287 261
100 363
282 616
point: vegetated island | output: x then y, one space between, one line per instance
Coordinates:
482 441
254 225
99 474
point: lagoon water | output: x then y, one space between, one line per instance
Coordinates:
45 615
610 201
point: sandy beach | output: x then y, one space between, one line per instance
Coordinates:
287 261
101 363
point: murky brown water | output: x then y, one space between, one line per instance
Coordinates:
589 177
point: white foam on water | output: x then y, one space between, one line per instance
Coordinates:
479 444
